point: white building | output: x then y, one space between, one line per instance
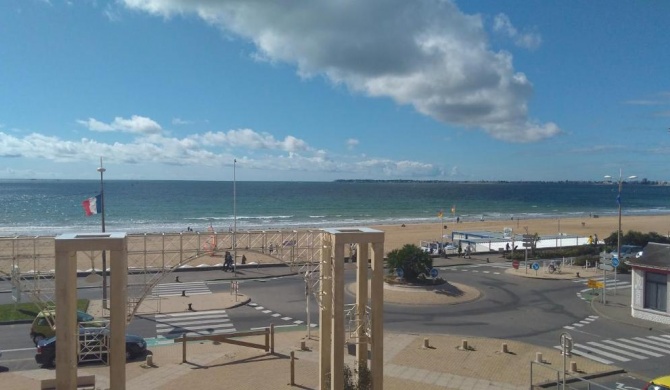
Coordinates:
650 280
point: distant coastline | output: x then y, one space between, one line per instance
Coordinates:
643 182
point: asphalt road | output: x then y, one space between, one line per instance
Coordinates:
528 310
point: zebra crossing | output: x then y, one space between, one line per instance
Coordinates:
475 268
290 321
612 351
174 289
586 321
202 323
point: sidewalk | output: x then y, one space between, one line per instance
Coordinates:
407 363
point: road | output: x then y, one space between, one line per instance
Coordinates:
534 311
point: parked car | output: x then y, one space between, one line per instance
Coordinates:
628 251
93 346
41 328
661 383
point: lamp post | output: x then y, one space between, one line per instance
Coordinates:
235 216
618 233
102 170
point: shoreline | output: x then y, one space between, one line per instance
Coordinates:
403 232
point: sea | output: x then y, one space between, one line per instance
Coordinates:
52 207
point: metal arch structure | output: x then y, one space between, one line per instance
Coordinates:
29 261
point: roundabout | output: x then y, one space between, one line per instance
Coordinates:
448 293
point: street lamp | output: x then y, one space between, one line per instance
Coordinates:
102 170
235 216
618 200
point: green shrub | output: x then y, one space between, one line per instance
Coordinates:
411 259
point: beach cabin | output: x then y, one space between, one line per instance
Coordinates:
650 280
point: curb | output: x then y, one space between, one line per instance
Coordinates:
574 379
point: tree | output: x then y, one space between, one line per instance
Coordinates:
411 259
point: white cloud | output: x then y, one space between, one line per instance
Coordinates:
136 124
250 139
261 150
425 54
180 122
528 40
352 143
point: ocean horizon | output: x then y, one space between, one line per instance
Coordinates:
52 207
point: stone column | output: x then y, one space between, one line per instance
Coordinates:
66 319
361 304
118 318
67 330
377 315
337 333
325 321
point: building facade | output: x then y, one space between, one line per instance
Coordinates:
650 283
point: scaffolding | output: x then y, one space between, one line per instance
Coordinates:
29 261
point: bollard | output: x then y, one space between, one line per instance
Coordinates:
538 357
504 348
303 347
189 307
176 279
292 368
573 366
150 360
464 344
183 293
426 343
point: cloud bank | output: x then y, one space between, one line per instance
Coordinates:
259 150
426 54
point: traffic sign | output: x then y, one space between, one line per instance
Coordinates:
615 262
536 266
605 267
433 272
400 272
515 264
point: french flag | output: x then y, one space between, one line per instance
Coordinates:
92 205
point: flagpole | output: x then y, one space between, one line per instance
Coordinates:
235 216
441 240
102 170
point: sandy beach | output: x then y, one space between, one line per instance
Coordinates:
396 235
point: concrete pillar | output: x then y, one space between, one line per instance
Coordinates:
325 323
361 304
337 348
377 315
118 318
66 319
332 308
67 330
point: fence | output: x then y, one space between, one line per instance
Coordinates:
268 346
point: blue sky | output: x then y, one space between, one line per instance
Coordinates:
323 90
